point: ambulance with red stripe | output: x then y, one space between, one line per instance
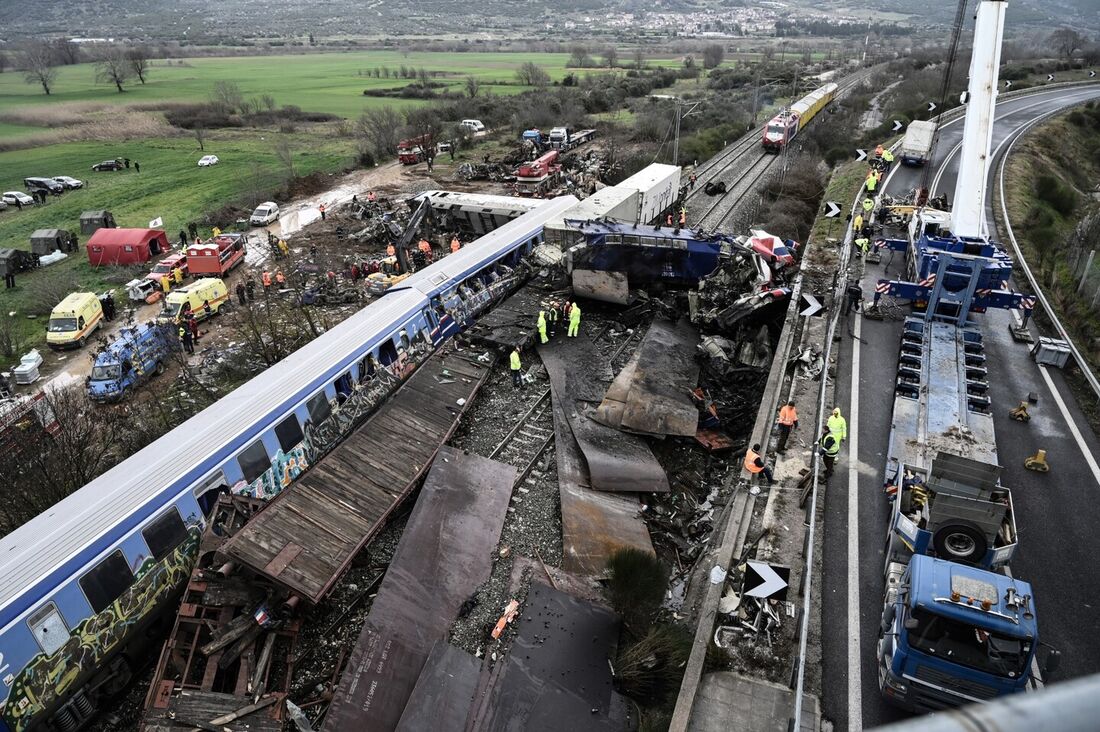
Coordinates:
73 320
194 298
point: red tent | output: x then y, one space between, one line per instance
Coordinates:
125 246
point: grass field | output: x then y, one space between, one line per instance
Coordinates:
170 185
319 82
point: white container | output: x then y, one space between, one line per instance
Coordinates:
1051 352
613 202
658 186
26 373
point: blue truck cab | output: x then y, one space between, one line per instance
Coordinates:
953 635
135 356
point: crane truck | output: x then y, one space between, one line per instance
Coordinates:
956 627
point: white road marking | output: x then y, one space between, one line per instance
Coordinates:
1071 424
855 672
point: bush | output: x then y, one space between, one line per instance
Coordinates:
636 587
652 668
1059 196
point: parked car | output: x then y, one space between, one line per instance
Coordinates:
208 160
12 197
131 359
264 214
67 182
3 205
47 185
108 165
473 125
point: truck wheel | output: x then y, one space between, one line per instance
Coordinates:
159 368
960 542
83 340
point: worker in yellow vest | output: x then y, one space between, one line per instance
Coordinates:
838 426
857 223
755 463
788 420
574 320
888 158
542 327
165 284
517 369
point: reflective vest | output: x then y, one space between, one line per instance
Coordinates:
888 156
164 283
750 462
455 246
542 321
871 182
516 365
830 446
371 197
838 426
788 415
267 279
863 243
280 278
575 314
858 223
868 204
391 250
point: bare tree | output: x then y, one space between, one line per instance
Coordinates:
66 52
200 136
113 67
639 57
1066 41
268 102
226 96
379 131
473 86
713 56
138 56
425 124
531 74
285 156
578 56
611 57
3 62
38 65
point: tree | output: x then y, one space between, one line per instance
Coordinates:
689 62
713 56
200 136
1066 41
38 65
473 86
138 56
66 52
531 74
639 58
425 124
113 67
226 96
285 156
3 62
379 131
611 57
578 56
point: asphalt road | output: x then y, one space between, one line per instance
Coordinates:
1055 511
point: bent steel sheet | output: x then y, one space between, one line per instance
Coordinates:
616 461
652 394
593 524
556 676
444 555
444 693
603 286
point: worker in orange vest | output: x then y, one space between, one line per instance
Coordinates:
668 220
755 463
683 216
280 278
455 245
321 208
371 198
425 247
788 420
266 280
391 250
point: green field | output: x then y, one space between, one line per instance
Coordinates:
170 185
320 82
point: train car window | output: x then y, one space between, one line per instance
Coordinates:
426 336
404 341
49 628
289 433
319 408
368 367
387 352
254 461
165 534
105 582
207 492
343 384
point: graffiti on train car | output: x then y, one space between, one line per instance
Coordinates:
45 678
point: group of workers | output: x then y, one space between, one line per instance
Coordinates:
556 312
832 436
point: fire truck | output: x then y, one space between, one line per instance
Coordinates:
414 150
538 176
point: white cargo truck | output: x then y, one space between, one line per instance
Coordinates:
917 145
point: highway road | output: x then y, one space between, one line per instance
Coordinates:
1056 512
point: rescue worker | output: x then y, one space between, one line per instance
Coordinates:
691 182
542 327
109 306
755 463
185 338
391 250
788 420
830 448
838 426
878 151
683 217
266 280
425 247
183 239
241 293
574 320
193 326
868 206
855 297
870 183
888 159
206 309
863 245
668 220
517 369
552 317
455 245
250 287
165 284
280 278
177 275
857 224
283 248
321 208
216 231
371 198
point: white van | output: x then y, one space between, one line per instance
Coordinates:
475 126
264 214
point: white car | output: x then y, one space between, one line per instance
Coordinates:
474 126
264 214
208 160
16 198
67 182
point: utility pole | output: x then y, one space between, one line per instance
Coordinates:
680 104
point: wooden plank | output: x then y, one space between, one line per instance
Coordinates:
283 558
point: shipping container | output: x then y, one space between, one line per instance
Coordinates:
658 186
614 202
